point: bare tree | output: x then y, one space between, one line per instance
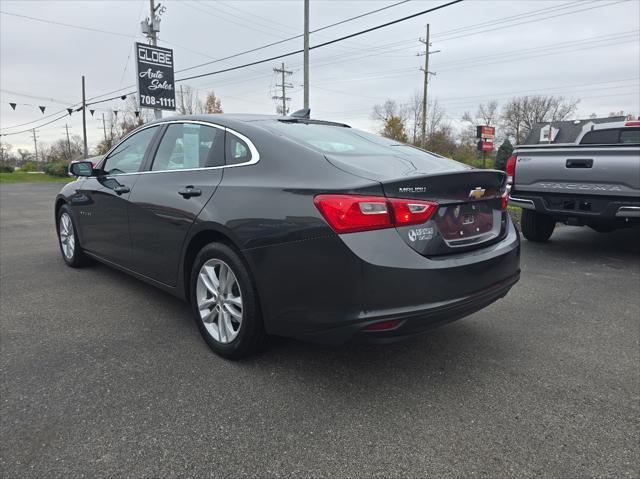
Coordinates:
435 119
486 114
188 102
5 151
389 109
60 150
520 114
414 116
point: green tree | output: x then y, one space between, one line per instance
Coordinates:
394 129
504 152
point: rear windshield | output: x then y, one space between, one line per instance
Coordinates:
338 141
611 136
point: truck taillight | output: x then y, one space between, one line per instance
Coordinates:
352 213
511 169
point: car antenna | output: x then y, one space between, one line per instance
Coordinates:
304 113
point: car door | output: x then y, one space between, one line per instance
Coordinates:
179 180
103 214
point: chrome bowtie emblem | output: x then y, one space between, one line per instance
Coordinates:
477 193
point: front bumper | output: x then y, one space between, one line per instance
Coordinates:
328 289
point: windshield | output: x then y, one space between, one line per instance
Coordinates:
367 153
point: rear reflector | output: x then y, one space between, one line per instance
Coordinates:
352 213
383 325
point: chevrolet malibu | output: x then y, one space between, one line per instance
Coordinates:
294 227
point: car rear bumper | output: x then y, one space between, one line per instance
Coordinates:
587 207
329 289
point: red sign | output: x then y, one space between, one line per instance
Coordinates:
485 132
487 145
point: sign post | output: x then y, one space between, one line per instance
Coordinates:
486 134
156 87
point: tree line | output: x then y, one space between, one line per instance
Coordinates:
513 121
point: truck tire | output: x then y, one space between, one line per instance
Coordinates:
536 226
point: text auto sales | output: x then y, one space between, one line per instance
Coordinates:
156 77
159 58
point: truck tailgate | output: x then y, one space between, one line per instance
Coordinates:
587 170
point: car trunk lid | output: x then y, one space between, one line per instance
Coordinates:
470 214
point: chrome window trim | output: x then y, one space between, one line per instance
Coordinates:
255 155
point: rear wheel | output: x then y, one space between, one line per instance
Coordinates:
225 303
536 226
70 248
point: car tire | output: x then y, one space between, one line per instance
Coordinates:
536 226
225 306
72 252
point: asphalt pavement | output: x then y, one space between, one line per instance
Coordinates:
105 376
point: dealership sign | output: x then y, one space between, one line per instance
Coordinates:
155 77
486 135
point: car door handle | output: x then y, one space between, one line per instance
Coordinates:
189 191
587 163
121 189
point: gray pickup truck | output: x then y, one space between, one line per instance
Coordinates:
594 181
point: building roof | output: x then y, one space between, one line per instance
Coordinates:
568 130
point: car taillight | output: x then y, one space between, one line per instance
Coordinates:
511 169
632 123
352 213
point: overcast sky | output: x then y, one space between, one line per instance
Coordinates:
586 49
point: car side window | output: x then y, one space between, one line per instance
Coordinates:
601 137
631 135
237 151
189 145
128 156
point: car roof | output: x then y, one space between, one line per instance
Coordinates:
232 120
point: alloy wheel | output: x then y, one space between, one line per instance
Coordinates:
67 237
219 300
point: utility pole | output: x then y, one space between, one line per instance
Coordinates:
306 54
154 24
283 110
427 52
35 144
66 126
84 120
104 128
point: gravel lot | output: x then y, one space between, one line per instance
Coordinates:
103 375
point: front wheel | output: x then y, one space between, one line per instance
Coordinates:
70 248
537 226
224 302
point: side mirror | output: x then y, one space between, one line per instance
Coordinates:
81 168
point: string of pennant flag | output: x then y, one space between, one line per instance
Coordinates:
70 111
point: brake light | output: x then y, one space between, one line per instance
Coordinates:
632 123
352 213
511 169
411 212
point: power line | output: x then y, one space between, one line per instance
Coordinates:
292 38
395 46
69 25
324 44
